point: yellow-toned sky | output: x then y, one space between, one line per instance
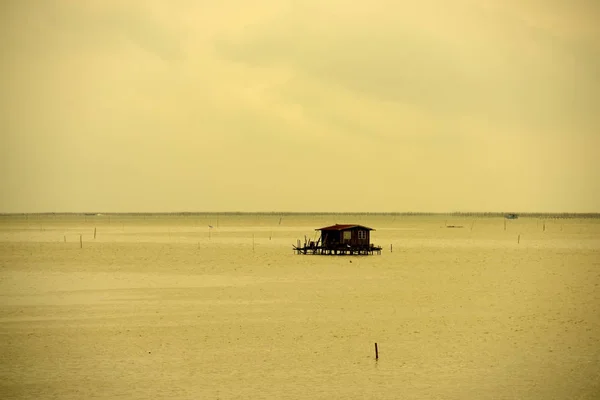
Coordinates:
307 105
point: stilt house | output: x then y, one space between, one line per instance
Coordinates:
340 240
353 235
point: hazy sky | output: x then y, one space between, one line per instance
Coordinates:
306 105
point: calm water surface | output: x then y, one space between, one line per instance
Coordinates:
168 307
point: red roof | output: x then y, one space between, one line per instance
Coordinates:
343 227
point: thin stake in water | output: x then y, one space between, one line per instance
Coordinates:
376 352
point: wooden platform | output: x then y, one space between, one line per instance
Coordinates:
340 250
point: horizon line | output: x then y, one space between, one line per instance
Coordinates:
417 213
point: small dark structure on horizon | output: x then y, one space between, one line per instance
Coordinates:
340 240
511 216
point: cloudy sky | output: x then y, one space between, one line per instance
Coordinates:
306 105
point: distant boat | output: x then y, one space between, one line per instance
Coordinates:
511 216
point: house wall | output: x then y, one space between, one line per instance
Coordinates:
358 239
350 236
331 237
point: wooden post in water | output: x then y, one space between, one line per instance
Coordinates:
376 352
391 249
519 239
65 238
504 223
544 227
94 233
81 241
253 242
